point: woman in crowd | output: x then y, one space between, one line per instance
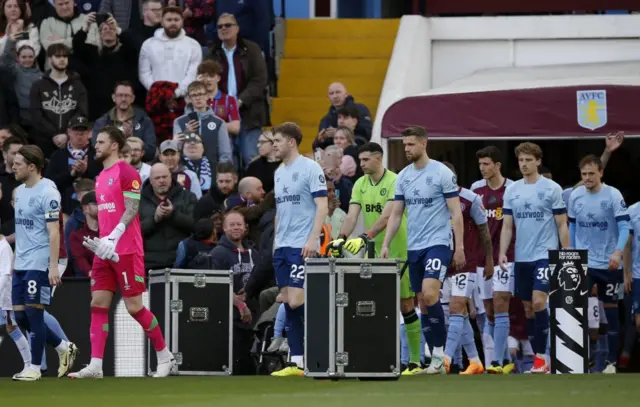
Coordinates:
196 161
15 20
23 72
264 166
346 140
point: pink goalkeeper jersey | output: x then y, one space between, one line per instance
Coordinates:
112 186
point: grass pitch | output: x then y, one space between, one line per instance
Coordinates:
260 391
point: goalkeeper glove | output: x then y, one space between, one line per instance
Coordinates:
355 245
107 247
335 246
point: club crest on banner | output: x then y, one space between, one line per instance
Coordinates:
592 108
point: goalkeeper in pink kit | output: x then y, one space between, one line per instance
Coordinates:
119 260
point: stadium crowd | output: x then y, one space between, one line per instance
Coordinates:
192 109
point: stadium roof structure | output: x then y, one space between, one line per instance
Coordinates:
540 102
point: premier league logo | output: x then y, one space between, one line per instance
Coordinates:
623 205
462 207
321 178
54 205
569 276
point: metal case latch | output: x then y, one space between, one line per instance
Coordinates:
342 358
199 314
342 299
175 305
366 271
199 280
365 308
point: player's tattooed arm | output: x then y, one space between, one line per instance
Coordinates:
485 239
131 206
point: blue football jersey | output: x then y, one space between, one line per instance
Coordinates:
296 187
634 215
34 208
533 207
424 193
596 216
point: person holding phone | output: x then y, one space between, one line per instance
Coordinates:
203 122
15 24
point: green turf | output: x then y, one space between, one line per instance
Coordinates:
453 391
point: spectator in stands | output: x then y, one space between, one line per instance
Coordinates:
132 120
75 161
345 139
16 22
254 205
349 116
76 221
264 166
245 78
55 99
62 26
203 122
8 181
83 257
332 170
171 157
170 56
263 276
128 13
255 18
336 215
151 19
197 14
8 131
110 62
234 251
339 97
203 241
22 71
224 106
166 218
137 153
196 161
226 183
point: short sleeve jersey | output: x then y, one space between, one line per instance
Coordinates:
113 185
493 202
473 214
35 207
595 216
372 198
533 207
425 192
634 215
296 187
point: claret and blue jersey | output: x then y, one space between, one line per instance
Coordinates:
634 216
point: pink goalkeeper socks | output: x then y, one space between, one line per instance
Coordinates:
150 325
99 331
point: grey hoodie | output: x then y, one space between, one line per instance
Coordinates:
24 78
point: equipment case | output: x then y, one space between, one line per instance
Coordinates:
352 327
195 309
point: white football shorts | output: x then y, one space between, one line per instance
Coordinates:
502 281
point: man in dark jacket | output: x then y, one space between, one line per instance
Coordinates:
234 252
76 160
339 97
55 99
213 201
111 61
132 120
166 218
246 80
